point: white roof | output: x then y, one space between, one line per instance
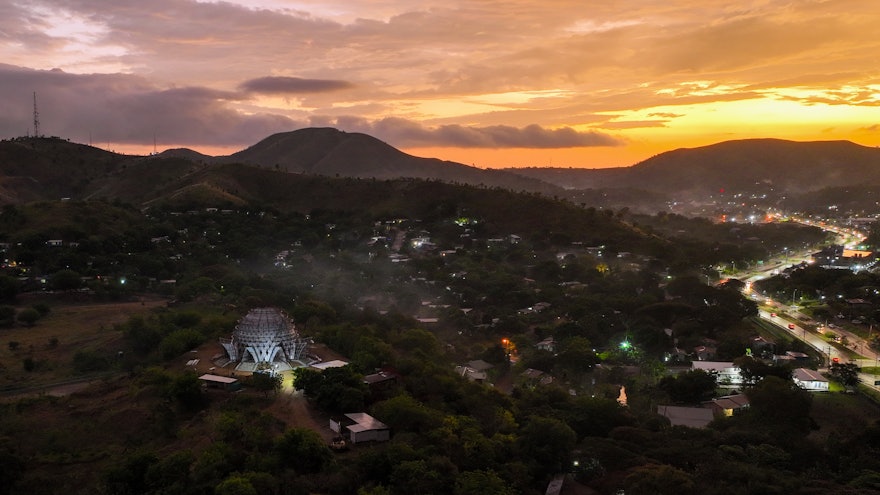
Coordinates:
217 378
364 422
336 363
808 375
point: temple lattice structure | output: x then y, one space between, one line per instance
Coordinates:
265 336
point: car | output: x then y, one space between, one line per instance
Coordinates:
791 326
836 360
772 315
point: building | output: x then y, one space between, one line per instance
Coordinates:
727 405
548 344
361 427
221 382
726 374
265 338
693 417
810 380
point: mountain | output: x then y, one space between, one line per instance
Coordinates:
331 152
744 165
34 169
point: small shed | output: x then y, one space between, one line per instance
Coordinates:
361 427
222 382
336 363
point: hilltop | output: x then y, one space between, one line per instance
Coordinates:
742 165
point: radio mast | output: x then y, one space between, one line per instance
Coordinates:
36 117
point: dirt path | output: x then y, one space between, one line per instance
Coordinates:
294 409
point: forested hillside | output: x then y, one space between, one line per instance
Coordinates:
414 278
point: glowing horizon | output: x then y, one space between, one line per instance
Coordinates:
491 84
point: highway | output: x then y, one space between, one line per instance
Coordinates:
856 345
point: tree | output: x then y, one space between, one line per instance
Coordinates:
481 483
577 355
658 480
9 287
28 316
266 382
779 405
304 450
548 442
235 485
691 387
754 370
187 390
65 280
845 373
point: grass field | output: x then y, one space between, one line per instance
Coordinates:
76 326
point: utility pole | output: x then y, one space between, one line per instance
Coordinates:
36 117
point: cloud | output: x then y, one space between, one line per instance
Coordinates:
407 133
292 85
119 109
634 124
126 109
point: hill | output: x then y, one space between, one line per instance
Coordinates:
34 169
744 165
330 152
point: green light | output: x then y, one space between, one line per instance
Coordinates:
625 345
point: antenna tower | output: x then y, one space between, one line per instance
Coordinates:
36 117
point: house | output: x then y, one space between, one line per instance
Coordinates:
480 365
726 373
537 377
361 427
797 356
547 344
727 405
810 380
471 374
693 417
382 380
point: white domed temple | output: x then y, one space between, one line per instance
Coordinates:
265 338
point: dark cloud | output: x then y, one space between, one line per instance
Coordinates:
406 133
277 85
666 115
124 109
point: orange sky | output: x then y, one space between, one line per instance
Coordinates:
515 83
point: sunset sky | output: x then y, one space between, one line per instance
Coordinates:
567 83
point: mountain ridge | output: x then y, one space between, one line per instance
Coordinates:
789 166
34 169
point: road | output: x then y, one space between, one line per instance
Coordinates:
867 357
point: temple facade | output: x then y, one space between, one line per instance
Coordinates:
265 336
